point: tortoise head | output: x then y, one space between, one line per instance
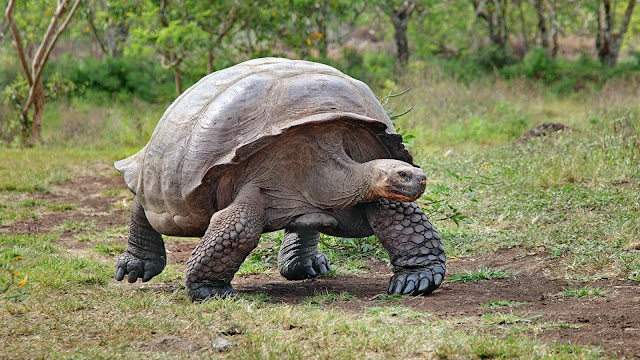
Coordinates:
396 180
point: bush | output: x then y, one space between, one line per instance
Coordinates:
120 77
537 64
373 68
494 57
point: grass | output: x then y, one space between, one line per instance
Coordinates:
483 273
569 199
75 225
327 298
584 292
61 207
494 304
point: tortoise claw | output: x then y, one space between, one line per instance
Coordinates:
416 281
135 268
308 268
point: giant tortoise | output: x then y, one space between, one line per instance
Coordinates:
273 144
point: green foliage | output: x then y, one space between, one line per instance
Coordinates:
55 85
439 199
374 68
493 57
584 292
327 298
118 77
9 274
483 273
502 303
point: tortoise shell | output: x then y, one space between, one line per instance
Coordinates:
230 115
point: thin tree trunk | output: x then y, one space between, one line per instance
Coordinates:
94 30
38 108
523 24
542 24
554 27
210 60
178 79
502 21
400 18
31 128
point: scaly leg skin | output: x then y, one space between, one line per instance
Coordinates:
413 245
299 257
144 256
233 232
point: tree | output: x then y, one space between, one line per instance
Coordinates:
110 22
494 13
217 20
608 43
400 14
172 31
31 126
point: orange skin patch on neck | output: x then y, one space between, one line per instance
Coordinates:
386 194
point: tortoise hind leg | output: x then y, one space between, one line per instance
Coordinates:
145 256
299 257
233 232
413 245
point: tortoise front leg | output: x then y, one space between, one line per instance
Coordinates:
145 256
299 257
233 232
413 245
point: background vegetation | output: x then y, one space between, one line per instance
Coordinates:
481 73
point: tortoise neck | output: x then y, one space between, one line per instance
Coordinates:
364 181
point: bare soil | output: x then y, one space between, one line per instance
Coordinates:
611 322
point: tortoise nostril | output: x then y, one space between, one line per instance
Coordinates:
422 179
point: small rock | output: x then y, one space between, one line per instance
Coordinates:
634 246
449 153
232 330
221 344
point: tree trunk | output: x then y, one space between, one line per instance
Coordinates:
400 19
178 79
554 28
210 60
117 34
494 12
542 24
525 42
608 44
38 107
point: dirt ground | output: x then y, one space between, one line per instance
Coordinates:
611 322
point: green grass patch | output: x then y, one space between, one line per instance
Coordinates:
61 207
328 298
483 273
111 249
75 225
170 273
390 298
584 292
494 304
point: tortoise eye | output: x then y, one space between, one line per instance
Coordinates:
403 174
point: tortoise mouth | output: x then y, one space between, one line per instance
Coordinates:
404 194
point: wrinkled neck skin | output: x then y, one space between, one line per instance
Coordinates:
364 181
358 180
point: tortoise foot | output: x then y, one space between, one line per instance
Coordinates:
416 280
306 268
135 267
205 290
